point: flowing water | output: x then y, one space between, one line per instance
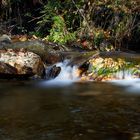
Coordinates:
44 110
67 76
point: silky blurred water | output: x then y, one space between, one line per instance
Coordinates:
67 75
79 111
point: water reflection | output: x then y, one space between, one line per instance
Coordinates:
82 111
131 85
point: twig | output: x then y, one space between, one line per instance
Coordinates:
35 18
81 14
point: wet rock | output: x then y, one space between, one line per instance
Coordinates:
20 62
53 72
52 58
35 46
49 52
5 39
57 47
83 68
7 69
106 69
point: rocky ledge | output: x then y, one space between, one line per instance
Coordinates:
106 69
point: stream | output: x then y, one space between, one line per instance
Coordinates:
66 109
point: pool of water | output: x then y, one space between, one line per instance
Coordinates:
80 111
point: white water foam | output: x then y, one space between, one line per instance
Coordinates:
131 85
124 74
67 75
127 80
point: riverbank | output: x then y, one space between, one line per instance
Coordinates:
35 58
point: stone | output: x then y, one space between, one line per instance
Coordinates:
20 62
5 39
7 69
49 53
106 69
53 72
52 58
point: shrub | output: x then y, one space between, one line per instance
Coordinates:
59 32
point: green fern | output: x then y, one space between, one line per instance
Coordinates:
59 32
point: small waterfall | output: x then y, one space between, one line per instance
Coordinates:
68 74
124 74
130 81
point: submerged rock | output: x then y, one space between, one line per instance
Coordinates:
20 62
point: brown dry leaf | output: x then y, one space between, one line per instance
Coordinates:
23 38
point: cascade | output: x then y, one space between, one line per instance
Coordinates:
127 79
67 75
124 74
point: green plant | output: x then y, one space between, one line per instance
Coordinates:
98 38
59 32
61 8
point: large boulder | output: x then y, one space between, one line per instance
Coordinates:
20 62
35 46
49 52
